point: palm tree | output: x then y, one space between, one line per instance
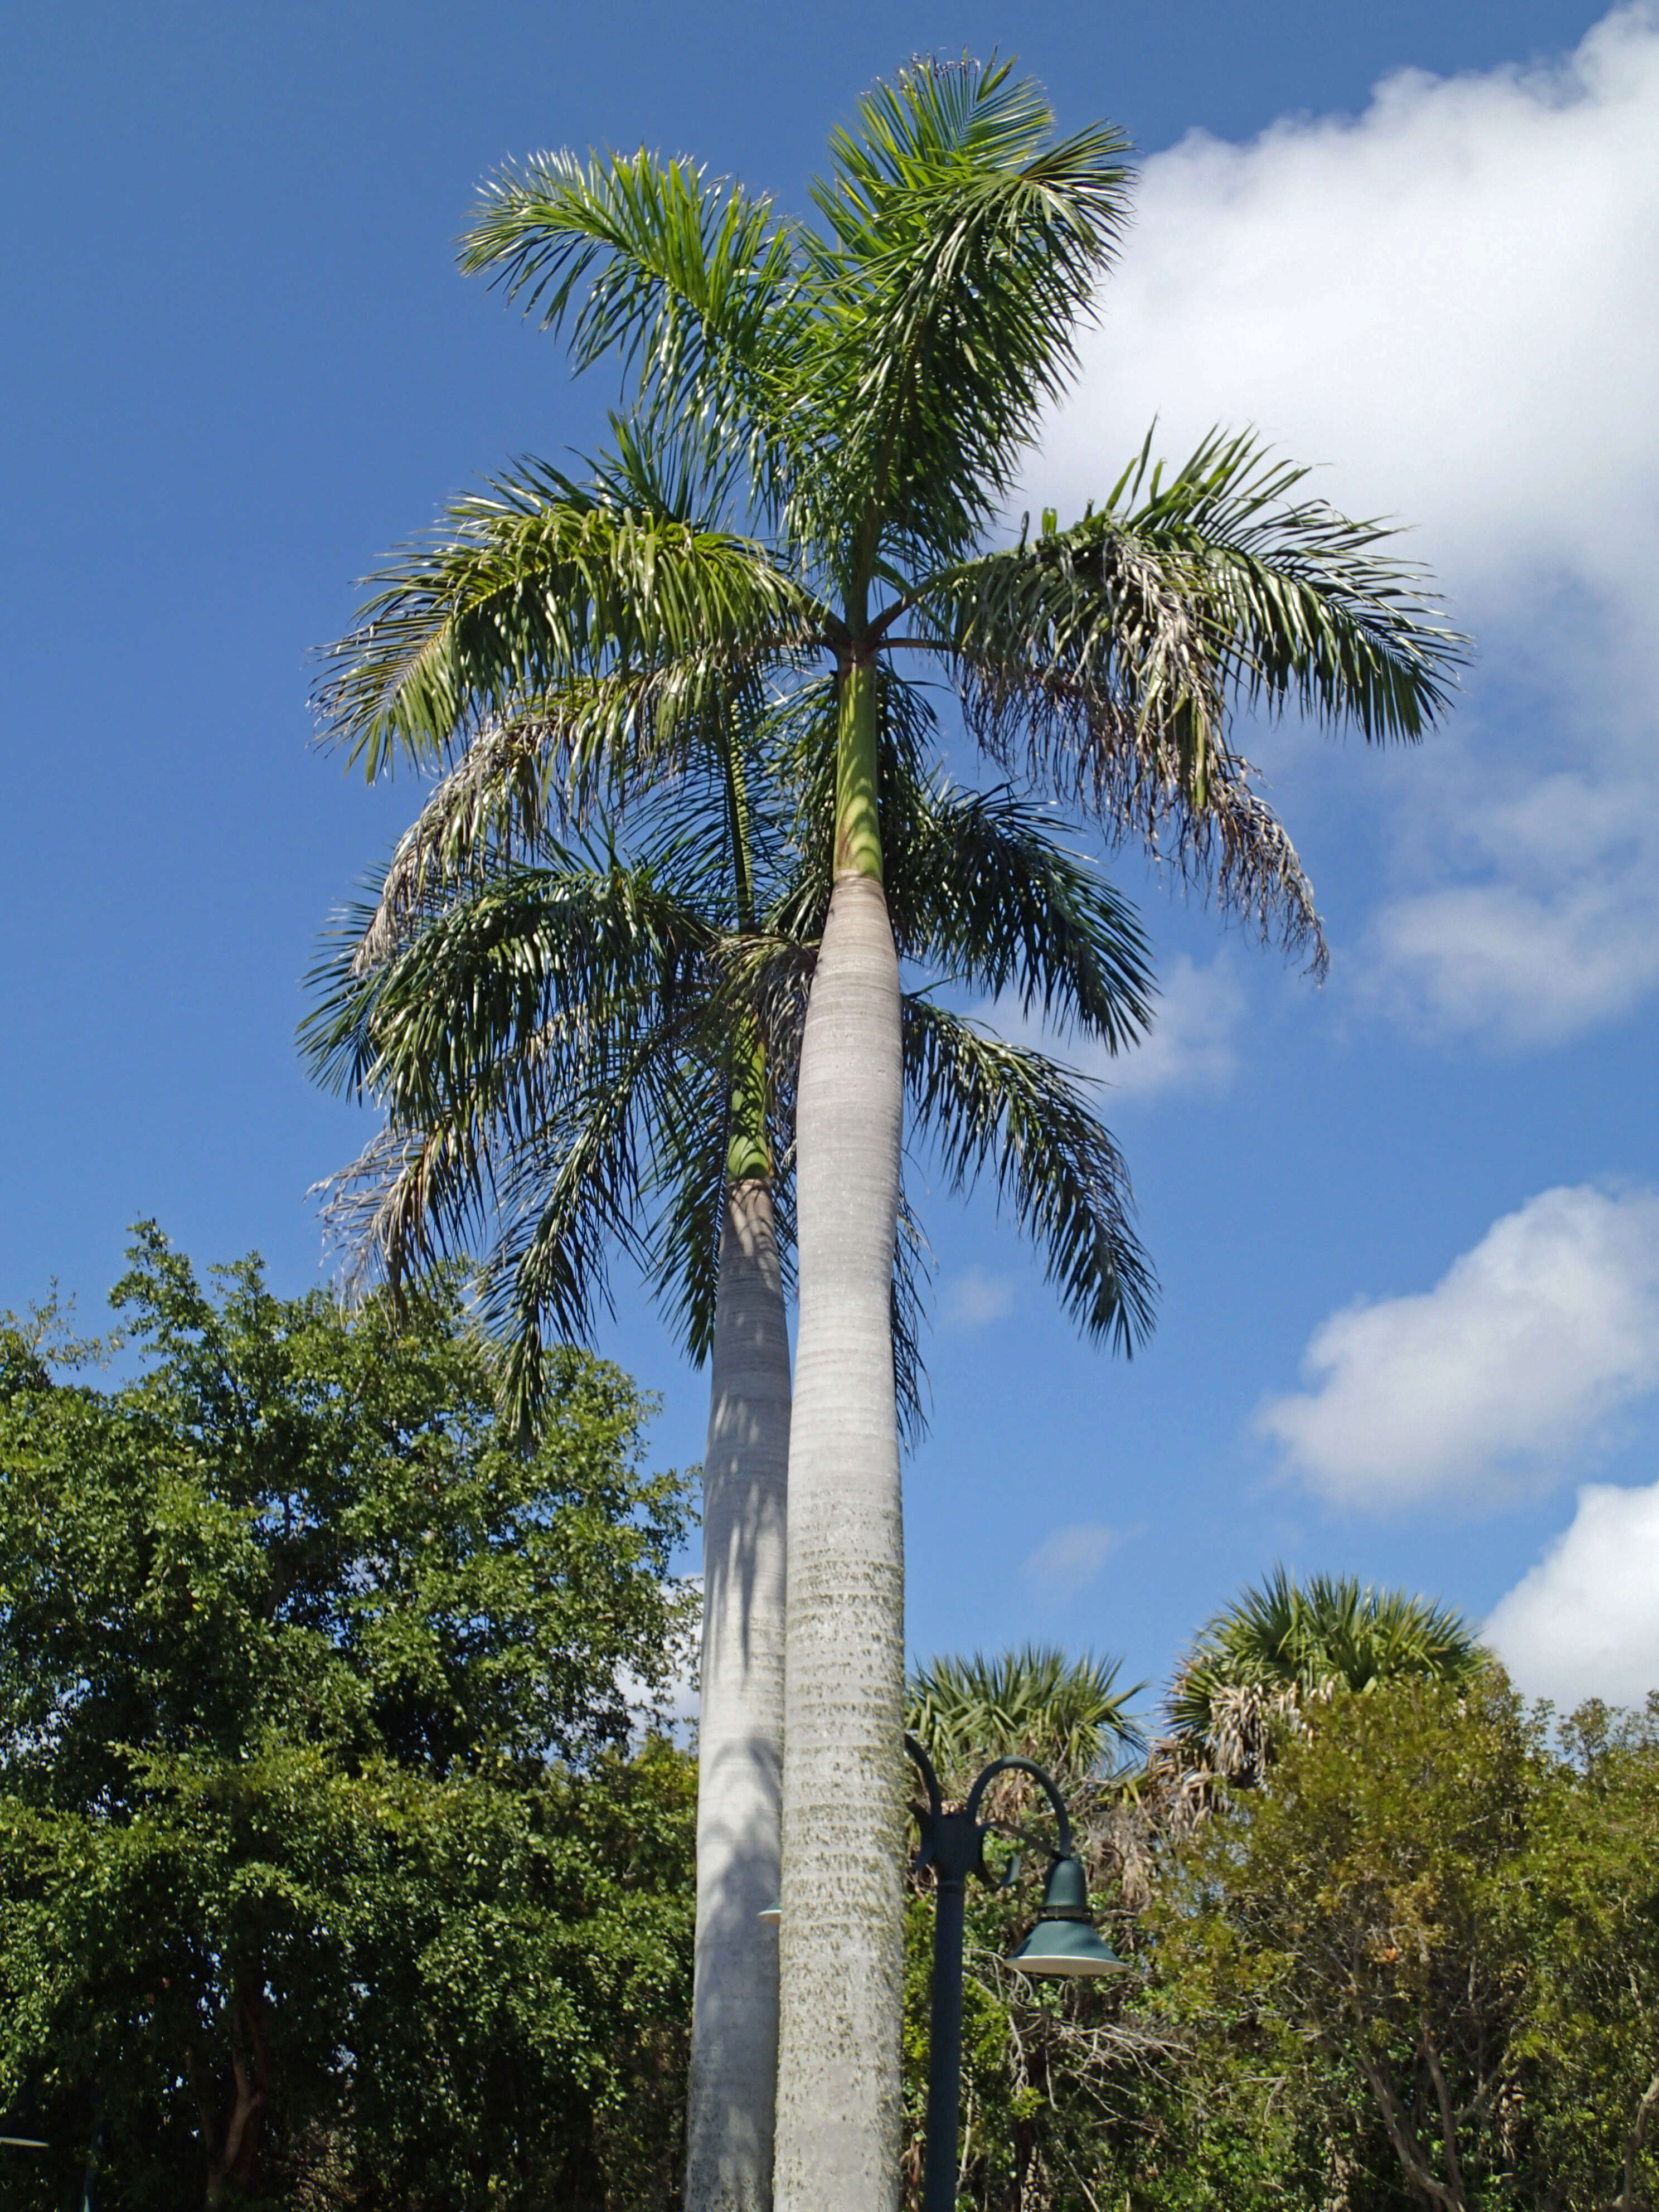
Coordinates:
1066 1713
1262 1661
579 1049
873 385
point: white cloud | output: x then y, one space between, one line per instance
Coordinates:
1585 1622
975 1298
1067 1561
1495 1381
1450 299
1197 1016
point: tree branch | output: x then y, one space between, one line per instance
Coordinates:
1634 2140
1448 2115
1408 2149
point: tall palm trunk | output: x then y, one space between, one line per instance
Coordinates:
734 2032
842 1932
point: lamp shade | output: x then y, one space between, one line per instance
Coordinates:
1063 1945
772 1914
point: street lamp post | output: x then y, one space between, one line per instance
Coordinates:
1063 1943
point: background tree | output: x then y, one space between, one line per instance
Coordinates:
322 1851
877 382
1401 1926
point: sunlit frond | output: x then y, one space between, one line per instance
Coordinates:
982 892
691 284
1257 1664
1069 1713
965 241
539 581
1110 658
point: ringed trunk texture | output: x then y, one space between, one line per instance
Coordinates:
734 2027
842 1938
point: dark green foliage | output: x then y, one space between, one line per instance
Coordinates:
326 1872
1416 1961
556 1029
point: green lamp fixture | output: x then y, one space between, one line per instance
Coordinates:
1063 1945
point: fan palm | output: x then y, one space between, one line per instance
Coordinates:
1068 1714
1260 1662
873 383
577 1049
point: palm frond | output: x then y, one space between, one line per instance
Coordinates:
691 283
691 1134
965 241
1068 1714
984 894
538 582
468 1010
1285 1640
913 1275
988 1105
1110 657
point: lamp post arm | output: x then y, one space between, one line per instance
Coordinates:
929 1779
1063 1819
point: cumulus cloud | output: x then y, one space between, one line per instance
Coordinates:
1584 1623
1498 1379
1448 299
974 1298
1192 1046
1067 1561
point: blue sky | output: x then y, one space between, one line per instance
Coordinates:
1405 1224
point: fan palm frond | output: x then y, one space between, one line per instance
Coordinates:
1070 1714
1262 1659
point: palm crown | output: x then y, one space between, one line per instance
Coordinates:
864 394
1260 1662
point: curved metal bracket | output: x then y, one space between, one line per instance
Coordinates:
929 1779
1040 1774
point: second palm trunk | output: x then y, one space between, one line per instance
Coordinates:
734 2041
838 2112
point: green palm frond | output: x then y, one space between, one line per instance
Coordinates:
1111 656
540 580
988 1105
1307 1639
965 240
913 1275
472 1011
1069 1714
983 893
573 1189
688 1182
691 284
551 762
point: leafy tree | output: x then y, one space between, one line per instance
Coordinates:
579 1049
321 1849
873 386
1435 1938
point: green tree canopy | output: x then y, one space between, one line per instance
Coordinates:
322 1846
1435 1933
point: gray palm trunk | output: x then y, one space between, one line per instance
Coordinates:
838 2106
734 2034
